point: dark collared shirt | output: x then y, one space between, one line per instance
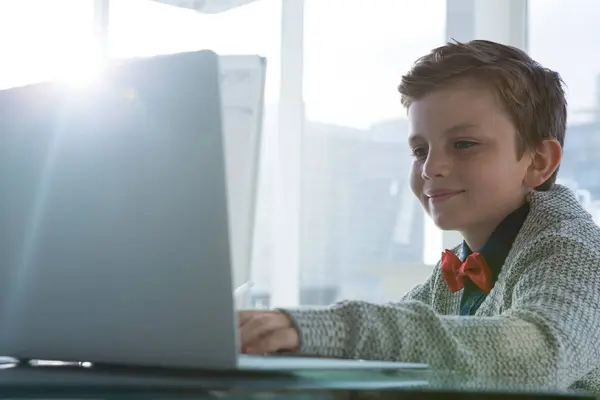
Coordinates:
494 251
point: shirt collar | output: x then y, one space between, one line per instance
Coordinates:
501 240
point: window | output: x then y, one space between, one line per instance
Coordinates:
572 52
140 28
40 40
362 230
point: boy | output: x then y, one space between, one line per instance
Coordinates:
520 298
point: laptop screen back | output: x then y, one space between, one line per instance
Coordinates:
113 218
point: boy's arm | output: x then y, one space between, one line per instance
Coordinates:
550 336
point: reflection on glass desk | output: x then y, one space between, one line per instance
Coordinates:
46 380
71 378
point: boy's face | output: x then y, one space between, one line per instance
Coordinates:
465 170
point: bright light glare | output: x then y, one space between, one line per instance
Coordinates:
82 72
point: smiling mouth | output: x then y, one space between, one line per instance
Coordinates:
438 198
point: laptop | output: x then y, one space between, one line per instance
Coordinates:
114 241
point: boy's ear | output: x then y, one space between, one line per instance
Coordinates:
545 160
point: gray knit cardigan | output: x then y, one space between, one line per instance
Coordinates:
539 326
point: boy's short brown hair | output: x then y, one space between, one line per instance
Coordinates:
533 96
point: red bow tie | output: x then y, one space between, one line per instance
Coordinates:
475 267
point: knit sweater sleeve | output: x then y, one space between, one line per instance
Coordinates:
548 334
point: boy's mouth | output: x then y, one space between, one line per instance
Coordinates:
437 196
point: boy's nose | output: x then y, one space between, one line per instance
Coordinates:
437 165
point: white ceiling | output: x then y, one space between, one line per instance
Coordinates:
207 6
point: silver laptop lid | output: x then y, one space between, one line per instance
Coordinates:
113 218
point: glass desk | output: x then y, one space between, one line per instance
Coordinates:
54 380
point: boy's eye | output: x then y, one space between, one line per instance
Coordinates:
464 144
419 152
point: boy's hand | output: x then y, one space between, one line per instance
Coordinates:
267 332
